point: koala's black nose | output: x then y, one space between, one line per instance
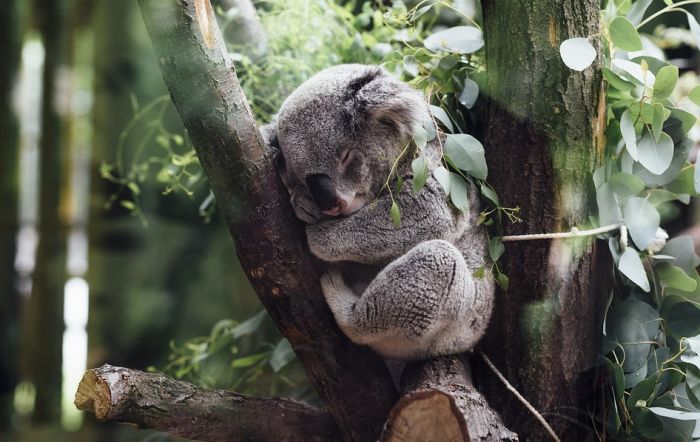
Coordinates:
323 191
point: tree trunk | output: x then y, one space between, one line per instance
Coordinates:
10 45
543 129
352 380
43 325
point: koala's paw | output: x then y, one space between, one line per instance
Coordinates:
334 288
319 242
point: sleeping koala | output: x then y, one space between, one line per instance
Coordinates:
406 292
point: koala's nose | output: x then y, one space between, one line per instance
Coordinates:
323 191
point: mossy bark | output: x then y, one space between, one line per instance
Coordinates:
543 136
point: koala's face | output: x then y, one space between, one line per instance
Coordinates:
339 134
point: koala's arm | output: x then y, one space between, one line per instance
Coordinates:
369 235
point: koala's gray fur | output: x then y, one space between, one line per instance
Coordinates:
421 299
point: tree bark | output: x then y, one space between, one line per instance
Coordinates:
149 400
43 324
542 130
352 380
441 404
10 36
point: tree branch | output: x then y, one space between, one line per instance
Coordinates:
440 403
352 380
149 400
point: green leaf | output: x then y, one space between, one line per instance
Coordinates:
625 185
487 192
682 318
249 360
419 166
577 53
675 277
503 281
631 266
634 72
629 134
682 415
657 121
420 137
655 156
127 205
248 326
469 94
681 248
442 116
496 248
467 153
665 82
616 81
395 214
694 29
694 95
459 39
442 175
410 65
636 12
608 205
687 119
642 220
624 35
459 192
282 355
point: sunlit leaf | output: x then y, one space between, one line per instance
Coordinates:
624 35
459 39
631 266
665 82
467 153
577 53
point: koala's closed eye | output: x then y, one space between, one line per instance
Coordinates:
346 158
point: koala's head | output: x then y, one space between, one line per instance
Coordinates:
339 134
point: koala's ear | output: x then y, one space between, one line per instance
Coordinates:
377 96
269 134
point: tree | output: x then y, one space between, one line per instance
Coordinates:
42 345
546 122
352 381
9 150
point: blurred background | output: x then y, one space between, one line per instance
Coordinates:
111 249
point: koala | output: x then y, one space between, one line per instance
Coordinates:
406 292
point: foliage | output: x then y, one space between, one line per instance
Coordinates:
651 330
233 357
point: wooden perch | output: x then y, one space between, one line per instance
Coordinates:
441 404
149 400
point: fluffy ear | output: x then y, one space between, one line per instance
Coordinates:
269 134
377 96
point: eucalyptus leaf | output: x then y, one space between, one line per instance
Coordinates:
636 12
420 137
694 28
634 72
249 326
467 153
410 65
680 154
675 277
282 355
624 34
419 166
657 121
395 214
608 205
442 116
490 194
682 318
616 81
655 156
459 192
469 94
496 248
642 220
631 266
625 185
577 53
629 134
682 415
665 82
459 39
694 95
442 175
